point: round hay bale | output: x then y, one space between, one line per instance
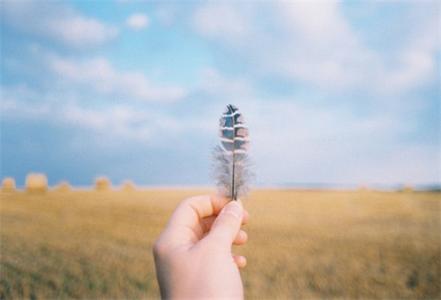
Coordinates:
8 185
102 184
36 183
407 188
63 187
128 186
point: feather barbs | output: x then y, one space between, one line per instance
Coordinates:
231 155
233 132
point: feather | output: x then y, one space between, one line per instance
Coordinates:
231 162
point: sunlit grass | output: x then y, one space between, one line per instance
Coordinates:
86 244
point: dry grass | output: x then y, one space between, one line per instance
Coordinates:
301 244
63 187
128 186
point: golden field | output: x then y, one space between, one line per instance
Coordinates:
302 244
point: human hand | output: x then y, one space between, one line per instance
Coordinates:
193 256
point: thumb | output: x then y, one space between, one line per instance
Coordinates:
227 224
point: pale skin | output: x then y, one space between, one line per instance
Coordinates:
193 255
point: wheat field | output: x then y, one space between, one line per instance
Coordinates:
302 244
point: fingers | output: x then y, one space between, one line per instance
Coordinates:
241 238
195 216
240 261
246 217
190 211
207 222
227 225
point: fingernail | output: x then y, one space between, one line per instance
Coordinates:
243 235
239 201
234 208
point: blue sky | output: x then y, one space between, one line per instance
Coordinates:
344 93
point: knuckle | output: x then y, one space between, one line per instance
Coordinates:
159 248
232 217
233 210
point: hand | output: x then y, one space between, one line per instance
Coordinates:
193 254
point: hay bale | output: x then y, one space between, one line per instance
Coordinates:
128 186
407 189
102 184
363 189
8 185
63 187
36 183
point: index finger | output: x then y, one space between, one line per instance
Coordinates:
190 211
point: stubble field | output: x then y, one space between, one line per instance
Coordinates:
302 244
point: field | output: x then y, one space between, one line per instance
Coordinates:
302 244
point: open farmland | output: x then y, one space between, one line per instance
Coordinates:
306 244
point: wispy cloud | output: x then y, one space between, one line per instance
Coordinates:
138 21
295 142
221 20
99 75
314 43
57 22
120 121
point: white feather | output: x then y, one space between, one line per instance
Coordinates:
231 163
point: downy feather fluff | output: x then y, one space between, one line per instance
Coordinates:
231 162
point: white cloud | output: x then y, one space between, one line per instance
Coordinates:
137 21
297 143
314 43
121 121
102 77
57 22
79 31
221 20
308 41
214 83
320 46
10 108
415 64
